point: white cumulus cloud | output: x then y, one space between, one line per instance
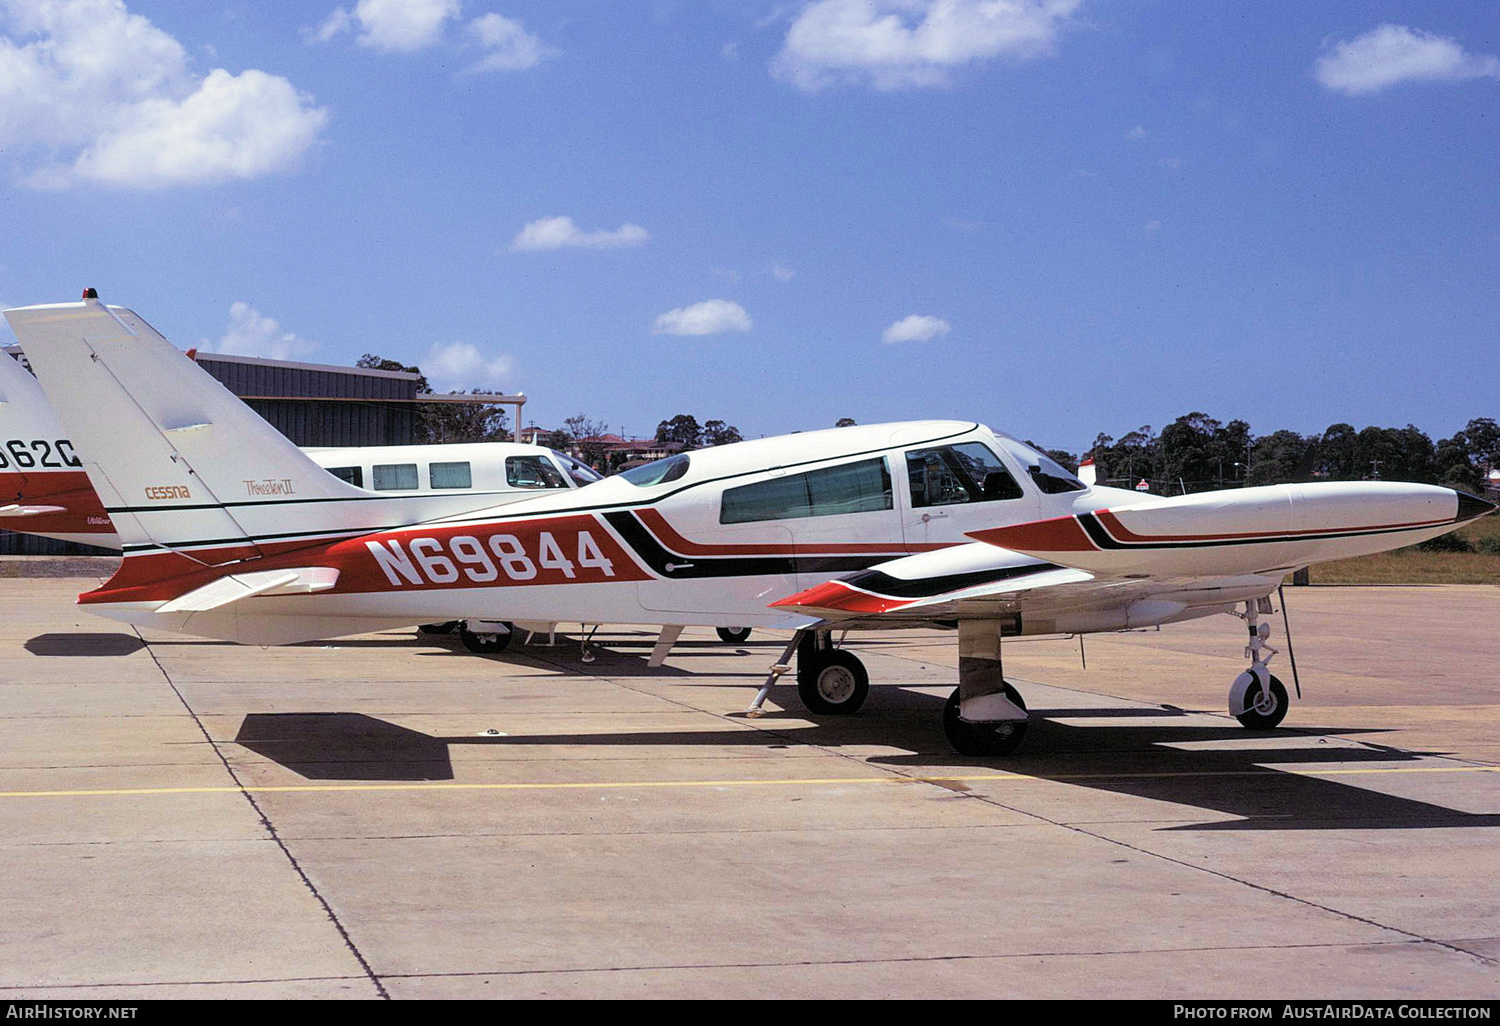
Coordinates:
510 47
1391 54
916 328
92 93
562 233
251 333
460 365
406 26
395 26
895 44
710 317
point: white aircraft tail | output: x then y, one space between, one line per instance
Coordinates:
1087 472
180 463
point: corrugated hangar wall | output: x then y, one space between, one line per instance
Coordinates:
351 411
312 404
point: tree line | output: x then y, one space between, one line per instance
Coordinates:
1198 453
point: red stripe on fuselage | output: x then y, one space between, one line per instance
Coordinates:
512 553
1060 534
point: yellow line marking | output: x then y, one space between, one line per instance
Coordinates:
798 782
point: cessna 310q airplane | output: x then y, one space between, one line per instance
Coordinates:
755 533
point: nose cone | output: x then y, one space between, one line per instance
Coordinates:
1472 506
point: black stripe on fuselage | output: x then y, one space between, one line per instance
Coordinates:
674 566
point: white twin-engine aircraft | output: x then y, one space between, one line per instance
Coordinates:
860 527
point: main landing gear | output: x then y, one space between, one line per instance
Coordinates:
1257 698
829 680
985 716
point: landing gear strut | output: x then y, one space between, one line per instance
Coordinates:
1257 698
829 680
985 715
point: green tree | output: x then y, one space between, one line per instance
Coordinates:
1282 456
682 429
716 432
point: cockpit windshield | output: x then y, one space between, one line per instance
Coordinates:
1048 474
581 473
659 472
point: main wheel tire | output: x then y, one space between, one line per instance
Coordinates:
1265 712
833 683
732 635
438 628
485 643
984 739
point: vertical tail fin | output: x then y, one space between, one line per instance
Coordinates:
178 461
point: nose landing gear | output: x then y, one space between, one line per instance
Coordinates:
1257 698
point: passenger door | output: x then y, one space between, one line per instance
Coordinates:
951 489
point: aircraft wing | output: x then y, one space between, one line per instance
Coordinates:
980 581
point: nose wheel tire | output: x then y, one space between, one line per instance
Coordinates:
486 642
983 739
1265 711
832 682
732 635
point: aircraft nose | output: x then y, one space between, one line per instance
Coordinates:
1472 506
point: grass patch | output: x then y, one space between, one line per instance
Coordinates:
1412 566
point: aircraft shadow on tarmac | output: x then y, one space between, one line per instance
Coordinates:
84 643
1122 754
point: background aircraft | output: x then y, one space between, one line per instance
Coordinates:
751 533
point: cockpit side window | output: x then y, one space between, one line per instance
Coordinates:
1048 474
952 474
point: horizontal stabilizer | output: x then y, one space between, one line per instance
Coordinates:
299 581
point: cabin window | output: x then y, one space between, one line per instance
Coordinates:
354 475
659 472
532 472
450 475
394 477
860 487
952 474
1050 476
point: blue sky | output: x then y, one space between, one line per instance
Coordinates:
1059 218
